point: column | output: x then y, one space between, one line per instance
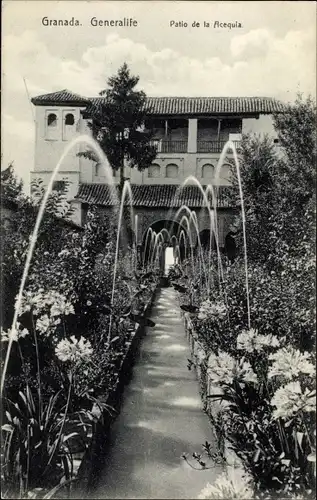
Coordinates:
221 236
192 135
218 135
166 129
139 256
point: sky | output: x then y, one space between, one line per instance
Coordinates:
272 53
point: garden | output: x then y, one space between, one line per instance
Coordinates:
72 337
255 358
77 325
250 322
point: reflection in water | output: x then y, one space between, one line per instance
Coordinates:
187 401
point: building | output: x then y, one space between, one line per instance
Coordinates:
190 133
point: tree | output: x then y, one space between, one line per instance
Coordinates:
296 128
259 165
11 187
279 189
118 124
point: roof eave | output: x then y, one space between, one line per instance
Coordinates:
48 102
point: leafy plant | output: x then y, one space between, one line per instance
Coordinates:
269 419
38 443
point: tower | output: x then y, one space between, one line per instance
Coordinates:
58 122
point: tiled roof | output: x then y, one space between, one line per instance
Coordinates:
212 105
162 106
176 105
60 97
150 196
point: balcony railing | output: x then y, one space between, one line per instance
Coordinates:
214 146
170 146
163 146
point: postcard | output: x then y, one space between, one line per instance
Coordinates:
158 259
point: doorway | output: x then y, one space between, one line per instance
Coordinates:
170 259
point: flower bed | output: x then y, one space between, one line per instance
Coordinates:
68 353
259 395
77 407
208 388
253 315
91 460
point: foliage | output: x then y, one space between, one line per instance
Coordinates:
72 335
16 234
11 187
118 123
263 373
38 443
279 187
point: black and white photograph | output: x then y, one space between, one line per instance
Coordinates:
158 228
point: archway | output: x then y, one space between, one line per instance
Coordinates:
231 246
204 237
164 243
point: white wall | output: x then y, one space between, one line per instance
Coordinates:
188 164
51 142
262 125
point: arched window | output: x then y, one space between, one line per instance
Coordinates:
207 172
154 170
172 171
52 120
69 119
204 237
69 131
52 132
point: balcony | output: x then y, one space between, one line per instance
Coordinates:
164 146
170 146
214 146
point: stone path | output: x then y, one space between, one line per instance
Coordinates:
160 419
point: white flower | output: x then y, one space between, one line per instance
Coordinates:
224 369
290 399
246 341
201 354
38 301
210 309
43 324
23 333
221 367
251 340
230 485
73 350
51 297
62 308
269 341
14 333
27 302
289 363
